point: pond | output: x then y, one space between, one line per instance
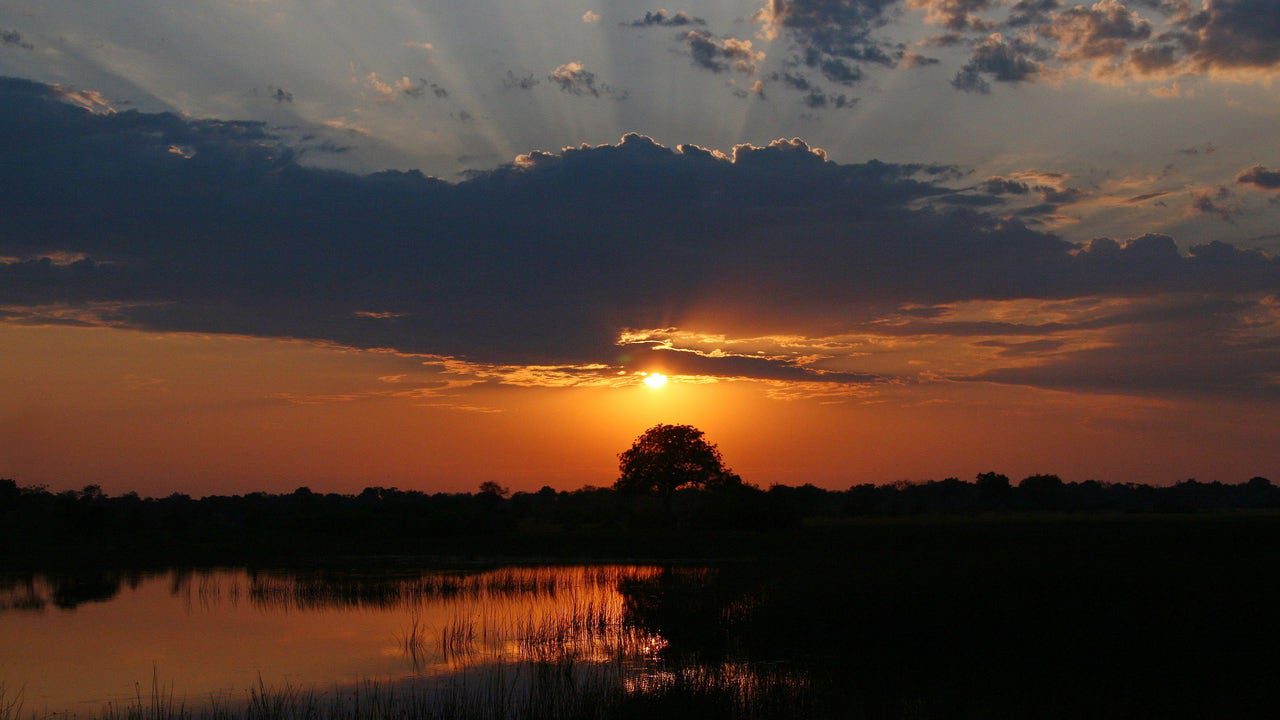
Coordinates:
1106 617
88 645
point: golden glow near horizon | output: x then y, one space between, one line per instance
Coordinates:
655 380
208 414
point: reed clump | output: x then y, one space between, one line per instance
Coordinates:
560 690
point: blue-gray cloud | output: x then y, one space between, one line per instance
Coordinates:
163 222
1002 60
664 18
1259 176
13 38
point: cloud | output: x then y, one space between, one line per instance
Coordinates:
1260 177
280 95
1030 12
537 272
814 97
1001 60
590 17
819 99
519 82
13 38
831 37
913 60
1194 347
1102 30
721 54
664 18
1208 149
381 89
345 125
1231 34
1048 192
575 79
420 88
1233 37
1109 40
1215 203
955 15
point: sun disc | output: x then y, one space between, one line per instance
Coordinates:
655 380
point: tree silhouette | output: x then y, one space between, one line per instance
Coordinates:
491 488
666 458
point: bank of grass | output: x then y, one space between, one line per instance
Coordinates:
1036 615
11 703
520 691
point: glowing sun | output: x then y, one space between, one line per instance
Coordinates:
655 380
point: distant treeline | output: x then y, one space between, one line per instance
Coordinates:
35 522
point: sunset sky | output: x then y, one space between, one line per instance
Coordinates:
257 244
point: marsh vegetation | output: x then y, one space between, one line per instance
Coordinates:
1040 616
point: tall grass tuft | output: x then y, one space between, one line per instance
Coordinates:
559 690
10 703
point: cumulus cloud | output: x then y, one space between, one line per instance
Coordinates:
817 99
1109 40
538 271
1231 34
832 38
1260 177
519 82
1102 30
420 88
664 18
814 97
590 17
1216 203
955 15
913 60
721 54
1001 60
1024 41
13 38
381 89
1048 193
575 79
1030 12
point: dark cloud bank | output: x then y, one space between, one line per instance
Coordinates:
161 222
1019 42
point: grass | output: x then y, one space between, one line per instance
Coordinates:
519 691
578 615
10 703
1047 617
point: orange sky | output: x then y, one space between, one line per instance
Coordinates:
200 414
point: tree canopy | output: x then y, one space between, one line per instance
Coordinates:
666 458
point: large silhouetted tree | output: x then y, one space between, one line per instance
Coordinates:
666 458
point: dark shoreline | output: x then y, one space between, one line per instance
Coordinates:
999 615
935 535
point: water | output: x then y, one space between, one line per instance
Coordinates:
74 644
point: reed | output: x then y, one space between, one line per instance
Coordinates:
10 703
559 690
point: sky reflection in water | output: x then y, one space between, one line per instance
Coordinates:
74 644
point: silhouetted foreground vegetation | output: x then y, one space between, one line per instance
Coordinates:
1152 616
525 691
37 525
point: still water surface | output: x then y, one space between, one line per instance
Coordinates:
73 644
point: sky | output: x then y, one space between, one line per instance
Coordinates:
258 244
